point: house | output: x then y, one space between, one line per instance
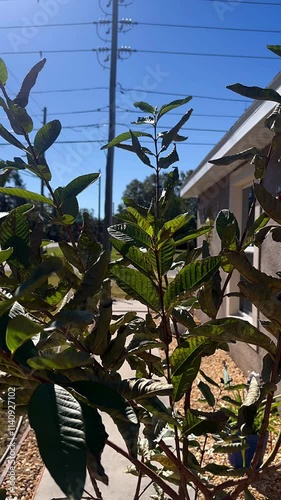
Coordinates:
220 187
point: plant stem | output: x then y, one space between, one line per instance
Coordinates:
145 470
252 469
274 452
189 476
138 487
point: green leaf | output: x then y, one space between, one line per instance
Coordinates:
193 424
166 256
78 185
3 72
91 282
89 249
19 119
208 379
263 298
27 84
230 448
5 254
3 494
276 49
260 163
259 223
136 285
193 234
96 437
224 219
72 318
15 233
46 136
71 255
207 393
248 154
255 92
136 257
62 441
173 225
155 406
166 161
189 279
41 171
185 363
106 399
269 203
131 233
39 275
19 330
10 138
136 388
65 360
125 137
172 105
183 316
245 268
234 329
172 134
142 120
139 150
27 195
144 106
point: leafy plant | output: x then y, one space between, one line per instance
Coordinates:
62 348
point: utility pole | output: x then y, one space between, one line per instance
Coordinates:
99 206
111 133
42 181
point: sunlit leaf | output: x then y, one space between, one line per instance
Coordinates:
62 441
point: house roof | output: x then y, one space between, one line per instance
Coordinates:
247 131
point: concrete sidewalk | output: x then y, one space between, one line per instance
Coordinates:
121 486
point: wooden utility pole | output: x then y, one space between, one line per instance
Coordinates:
42 181
111 133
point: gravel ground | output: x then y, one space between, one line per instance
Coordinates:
28 469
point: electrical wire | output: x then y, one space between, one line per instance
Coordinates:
241 2
216 28
98 141
140 23
122 90
140 51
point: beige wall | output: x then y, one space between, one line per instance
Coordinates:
211 202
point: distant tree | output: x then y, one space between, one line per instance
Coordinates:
142 192
10 178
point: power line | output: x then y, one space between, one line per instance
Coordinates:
128 50
55 25
199 54
129 22
122 90
101 125
249 3
216 28
99 141
180 114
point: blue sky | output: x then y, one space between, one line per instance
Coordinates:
156 78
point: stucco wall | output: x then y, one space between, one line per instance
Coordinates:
210 203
